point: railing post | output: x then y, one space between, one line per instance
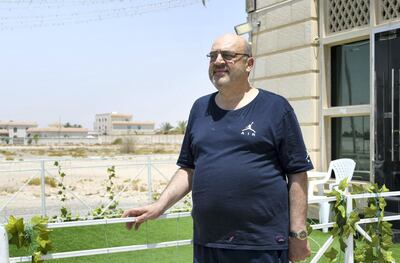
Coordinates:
43 188
149 179
4 257
349 253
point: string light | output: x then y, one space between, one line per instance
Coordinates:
44 13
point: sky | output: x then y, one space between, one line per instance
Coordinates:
56 64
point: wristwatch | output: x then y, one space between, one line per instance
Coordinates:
302 235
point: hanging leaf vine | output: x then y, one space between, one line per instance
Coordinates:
33 235
112 210
65 214
376 250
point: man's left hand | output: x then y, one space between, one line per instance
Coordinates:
298 249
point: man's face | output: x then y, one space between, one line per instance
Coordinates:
228 62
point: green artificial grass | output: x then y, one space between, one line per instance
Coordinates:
102 236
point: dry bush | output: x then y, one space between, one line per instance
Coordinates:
7 189
48 180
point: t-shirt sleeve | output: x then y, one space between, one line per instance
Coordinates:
293 155
186 159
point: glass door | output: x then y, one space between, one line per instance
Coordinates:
387 108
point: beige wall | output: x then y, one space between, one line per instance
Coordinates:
286 55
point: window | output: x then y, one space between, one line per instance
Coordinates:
15 129
350 86
350 139
350 74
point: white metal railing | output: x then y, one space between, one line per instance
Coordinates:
149 164
349 255
4 254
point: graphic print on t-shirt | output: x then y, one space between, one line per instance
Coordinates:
248 130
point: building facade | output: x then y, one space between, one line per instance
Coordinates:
120 124
16 129
338 64
57 132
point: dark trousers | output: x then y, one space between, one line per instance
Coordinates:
203 254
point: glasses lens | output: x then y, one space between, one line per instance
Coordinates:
213 55
228 55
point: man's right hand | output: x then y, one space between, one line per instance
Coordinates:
142 214
179 185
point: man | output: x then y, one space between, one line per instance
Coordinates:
244 159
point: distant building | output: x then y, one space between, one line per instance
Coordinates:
58 132
120 124
15 129
3 133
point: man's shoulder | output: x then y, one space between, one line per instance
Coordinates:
204 101
274 100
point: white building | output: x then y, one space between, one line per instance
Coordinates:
57 132
337 63
16 129
120 124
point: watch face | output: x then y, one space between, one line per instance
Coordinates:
302 235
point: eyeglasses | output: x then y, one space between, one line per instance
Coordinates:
226 55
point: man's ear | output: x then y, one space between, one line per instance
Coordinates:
250 64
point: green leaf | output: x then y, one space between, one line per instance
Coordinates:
332 193
359 254
374 240
384 189
387 241
357 189
342 210
335 230
331 254
343 185
16 232
37 220
382 203
386 228
370 211
342 244
36 257
387 256
346 231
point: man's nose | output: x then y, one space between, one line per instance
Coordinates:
219 59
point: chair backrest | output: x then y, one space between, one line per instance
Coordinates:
343 168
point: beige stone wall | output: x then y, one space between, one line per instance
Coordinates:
287 60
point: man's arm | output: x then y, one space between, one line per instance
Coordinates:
297 183
179 185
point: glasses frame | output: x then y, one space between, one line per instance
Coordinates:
222 52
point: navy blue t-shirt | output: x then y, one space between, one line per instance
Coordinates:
241 159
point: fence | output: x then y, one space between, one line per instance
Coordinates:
146 166
146 139
137 180
4 256
349 254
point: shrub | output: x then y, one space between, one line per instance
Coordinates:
48 180
117 141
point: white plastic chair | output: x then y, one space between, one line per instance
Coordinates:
343 168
